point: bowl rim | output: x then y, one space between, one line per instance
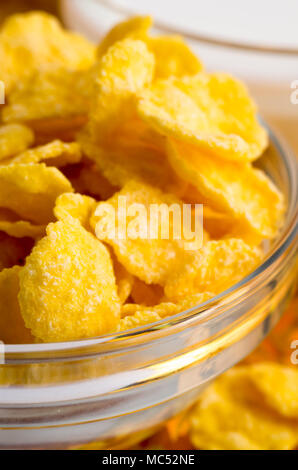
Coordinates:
204 38
209 308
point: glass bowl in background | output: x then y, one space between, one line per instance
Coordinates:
117 389
255 41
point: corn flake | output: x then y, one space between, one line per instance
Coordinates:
173 57
133 28
279 386
122 165
145 294
36 41
138 315
235 412
30 190
21 228
123 72
67 286
86 178
13 251
12 326
244 191
65 129
124 280
55 153
137 115
219 117
149 258
214 268
76 206
14 139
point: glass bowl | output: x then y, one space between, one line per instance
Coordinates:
117 389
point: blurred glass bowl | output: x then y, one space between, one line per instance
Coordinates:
255 41
119 388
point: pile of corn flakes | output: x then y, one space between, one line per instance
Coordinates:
136 117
